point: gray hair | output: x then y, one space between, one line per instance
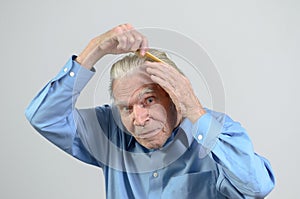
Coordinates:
120 68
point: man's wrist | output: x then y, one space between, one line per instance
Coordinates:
90 56
196 115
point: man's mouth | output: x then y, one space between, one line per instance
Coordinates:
148 134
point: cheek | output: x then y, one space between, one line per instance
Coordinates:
159 115
158 112
127 123
166 114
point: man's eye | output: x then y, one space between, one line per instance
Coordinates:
150 100
126 109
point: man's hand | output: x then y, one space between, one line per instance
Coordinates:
178 87
121 39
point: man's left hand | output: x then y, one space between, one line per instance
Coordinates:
178 87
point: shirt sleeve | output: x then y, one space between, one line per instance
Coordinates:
230 146
52 111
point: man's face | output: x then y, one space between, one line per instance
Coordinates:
146 109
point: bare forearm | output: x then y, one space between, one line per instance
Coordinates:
90 55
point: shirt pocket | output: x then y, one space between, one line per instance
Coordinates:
192 185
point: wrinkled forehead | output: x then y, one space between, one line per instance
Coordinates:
139 95
125 87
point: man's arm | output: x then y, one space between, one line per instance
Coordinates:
121 39
222 138
228 143
52 112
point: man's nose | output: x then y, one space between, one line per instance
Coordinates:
140 114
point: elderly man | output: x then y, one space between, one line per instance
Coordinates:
156 140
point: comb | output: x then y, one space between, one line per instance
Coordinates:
150 56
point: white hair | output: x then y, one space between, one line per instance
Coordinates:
120 68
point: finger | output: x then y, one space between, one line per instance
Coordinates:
123 36
128 26
171 80
160 66
134 41
168 86
111 37
124 41
128 39
130 42
169 89
164 71
144 46
139 41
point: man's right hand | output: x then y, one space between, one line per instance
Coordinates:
121 39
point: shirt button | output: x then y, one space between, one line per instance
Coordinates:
72 74
200 137
65 69
155 174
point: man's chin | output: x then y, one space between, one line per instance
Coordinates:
153 147
155 141
150 144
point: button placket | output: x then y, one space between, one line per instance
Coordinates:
155 185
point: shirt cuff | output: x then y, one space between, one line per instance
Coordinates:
73 75
205 131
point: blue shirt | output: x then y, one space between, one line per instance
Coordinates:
212 158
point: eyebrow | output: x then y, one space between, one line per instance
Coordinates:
120 103
144 91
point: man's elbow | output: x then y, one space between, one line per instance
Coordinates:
266 188
39 120
34 119
260 189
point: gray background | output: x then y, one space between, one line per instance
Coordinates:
254 44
